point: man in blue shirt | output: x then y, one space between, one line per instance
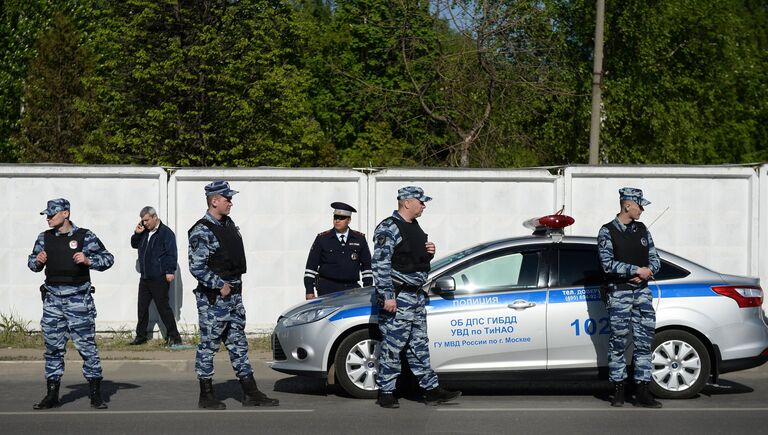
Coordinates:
157 264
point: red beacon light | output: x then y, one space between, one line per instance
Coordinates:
551 225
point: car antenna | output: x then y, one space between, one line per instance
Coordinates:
658 217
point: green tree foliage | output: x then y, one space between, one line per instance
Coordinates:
204 83
361 94
386 82
54 124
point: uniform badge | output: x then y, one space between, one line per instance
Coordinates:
73 244
354 256
381 240
643 241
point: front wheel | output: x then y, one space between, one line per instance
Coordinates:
681 365
357 363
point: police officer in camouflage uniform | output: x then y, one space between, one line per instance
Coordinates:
629 259
401 257
217 261
68 253
338 257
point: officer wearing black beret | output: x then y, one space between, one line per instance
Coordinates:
338 257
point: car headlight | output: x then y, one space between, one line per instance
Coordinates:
308 316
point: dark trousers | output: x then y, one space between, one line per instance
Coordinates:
156 289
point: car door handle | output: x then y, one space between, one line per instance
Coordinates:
521 305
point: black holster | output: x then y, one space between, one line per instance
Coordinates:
43 292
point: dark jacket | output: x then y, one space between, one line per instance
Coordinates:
333 267
158 257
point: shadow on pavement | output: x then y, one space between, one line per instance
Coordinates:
304 385
108 389
724 387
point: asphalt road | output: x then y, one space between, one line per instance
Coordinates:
159 396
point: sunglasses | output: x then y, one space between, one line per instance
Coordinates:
338 217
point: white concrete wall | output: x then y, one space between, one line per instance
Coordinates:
707 214
106 200
279 212
714 216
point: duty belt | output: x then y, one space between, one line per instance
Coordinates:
408 288
234 289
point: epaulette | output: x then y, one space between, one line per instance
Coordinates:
357 233
324 233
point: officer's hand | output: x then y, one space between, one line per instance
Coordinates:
80 258
430 247
226 290
309 296
636 280
644 273
390 305
169 277
139 228
41 258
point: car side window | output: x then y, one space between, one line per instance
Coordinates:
579 267
504 272
670 271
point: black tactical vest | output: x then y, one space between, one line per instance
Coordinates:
630 247
411 254
229 260
60 268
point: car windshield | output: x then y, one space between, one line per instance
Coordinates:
437 264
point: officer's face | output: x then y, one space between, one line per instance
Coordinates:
634 210
56 220
222 204
341 223
417 206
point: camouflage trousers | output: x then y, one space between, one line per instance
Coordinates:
631 312
405 329
66 317
224 320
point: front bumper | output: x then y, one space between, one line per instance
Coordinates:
303 349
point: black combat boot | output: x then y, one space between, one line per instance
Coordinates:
251 394
51 399
94 392
207 397
618 394
440 395
387 400
644 398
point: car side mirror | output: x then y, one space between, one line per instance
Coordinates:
445 284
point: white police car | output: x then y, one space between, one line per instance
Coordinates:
530 307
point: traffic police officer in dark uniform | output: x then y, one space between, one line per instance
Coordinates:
629 260
338 257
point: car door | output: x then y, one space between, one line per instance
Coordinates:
495 320
577 321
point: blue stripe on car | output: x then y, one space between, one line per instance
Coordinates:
560 296
353 312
